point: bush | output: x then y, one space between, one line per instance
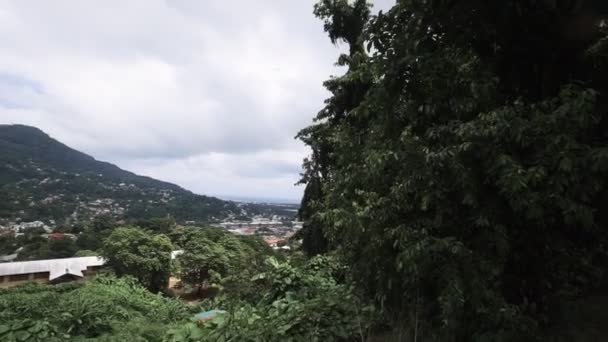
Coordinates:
300 304
105 307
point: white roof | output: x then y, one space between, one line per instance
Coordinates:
55 267
175 253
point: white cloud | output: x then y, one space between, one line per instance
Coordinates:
207 94
270 172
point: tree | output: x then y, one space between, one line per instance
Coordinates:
158 224
344 22
258 248
213 255
313 239
133 251
201 259
62 248
90 240
103 223
91 237
463 148
85 253
33 246
8 243
299 304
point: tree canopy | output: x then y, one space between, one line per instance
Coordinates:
215 256
143 255
462 161
456 191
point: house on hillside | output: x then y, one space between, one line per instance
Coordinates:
59 236
272 241
49 271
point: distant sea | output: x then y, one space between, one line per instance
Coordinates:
269 200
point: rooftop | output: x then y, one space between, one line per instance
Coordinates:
55 267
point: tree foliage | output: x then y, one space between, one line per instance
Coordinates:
215 256
136 252
344 21
201 260
104 309
300 303
34 246
462 162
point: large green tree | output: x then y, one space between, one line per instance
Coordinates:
344 23
200 260
62 248
141 254
34 245
216 256
463 162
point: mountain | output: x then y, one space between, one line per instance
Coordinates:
19 143
43 179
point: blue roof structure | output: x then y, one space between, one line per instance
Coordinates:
208 314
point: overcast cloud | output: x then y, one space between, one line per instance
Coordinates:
205 94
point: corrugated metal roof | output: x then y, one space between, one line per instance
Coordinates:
55 267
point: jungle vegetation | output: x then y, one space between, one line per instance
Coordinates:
456 191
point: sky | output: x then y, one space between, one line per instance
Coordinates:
205 94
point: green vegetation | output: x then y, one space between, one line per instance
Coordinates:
456 191
265 301
304 303
36 247
34 244
133 251
204 260
43 179
214 257
104 309
460 165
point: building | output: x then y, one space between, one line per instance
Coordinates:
257 222
48 271
21 227
59 236
272 241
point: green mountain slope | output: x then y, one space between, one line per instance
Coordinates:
42 179
19 143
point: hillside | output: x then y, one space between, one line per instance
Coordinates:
43 179
19 144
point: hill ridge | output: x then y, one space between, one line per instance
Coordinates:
42 178
32 137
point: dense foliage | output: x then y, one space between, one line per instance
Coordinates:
136 252
34 245
271 301
214 257
456 191
298 303
461 161
104 309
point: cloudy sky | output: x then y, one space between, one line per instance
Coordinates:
205 94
